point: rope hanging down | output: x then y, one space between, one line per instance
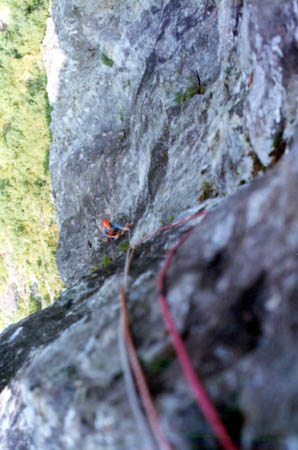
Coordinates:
201 396
133 398
140 379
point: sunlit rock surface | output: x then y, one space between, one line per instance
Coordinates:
158 106
128 143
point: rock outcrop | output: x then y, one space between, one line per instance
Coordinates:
161 109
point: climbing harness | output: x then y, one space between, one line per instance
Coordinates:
112 230
201 396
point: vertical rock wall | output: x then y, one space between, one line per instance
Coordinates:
134 136
137 138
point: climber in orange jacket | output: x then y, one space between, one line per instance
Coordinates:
112 230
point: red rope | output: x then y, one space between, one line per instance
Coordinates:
201 396
139 376
167 227
141 382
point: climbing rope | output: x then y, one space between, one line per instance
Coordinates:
167 227
140 379
131 392
201 396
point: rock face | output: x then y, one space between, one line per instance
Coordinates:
158 106
135 138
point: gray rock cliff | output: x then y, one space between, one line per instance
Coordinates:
162 109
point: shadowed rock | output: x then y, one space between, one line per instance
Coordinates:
136 139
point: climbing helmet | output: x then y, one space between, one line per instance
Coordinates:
106 224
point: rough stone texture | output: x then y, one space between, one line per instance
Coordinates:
123 149
242 285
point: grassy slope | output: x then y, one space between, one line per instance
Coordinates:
28 231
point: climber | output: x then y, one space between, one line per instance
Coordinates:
112 230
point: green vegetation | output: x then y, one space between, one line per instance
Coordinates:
208 191
106 60
258 166
279 147
168 220
124 246
106 262
122 136
160 364
28 233
230 71
194 89
26 306
3 274
94 268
